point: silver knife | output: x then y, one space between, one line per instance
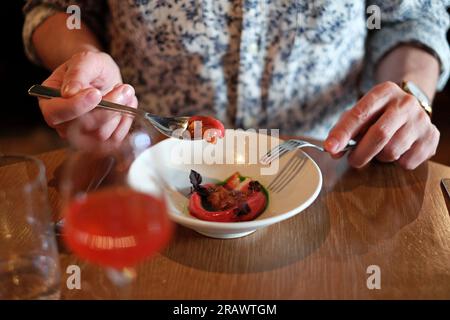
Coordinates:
446 184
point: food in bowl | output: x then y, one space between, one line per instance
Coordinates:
209 128
238 198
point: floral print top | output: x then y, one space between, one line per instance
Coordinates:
295 65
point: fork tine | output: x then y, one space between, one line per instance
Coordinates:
277 177
280 147
272 153
295 172
276 154
285 174
282 153
277 151
269 154
282 173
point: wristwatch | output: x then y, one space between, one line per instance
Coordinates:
414 90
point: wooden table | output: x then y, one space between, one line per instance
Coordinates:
382 215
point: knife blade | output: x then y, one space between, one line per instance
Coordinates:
446 184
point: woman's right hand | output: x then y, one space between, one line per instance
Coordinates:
84 80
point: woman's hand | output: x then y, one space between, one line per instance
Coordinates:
389 125
84 80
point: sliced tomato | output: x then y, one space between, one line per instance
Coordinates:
257 202
211 128
197 210
232 182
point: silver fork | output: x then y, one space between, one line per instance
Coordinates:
294 144
165 125
289 172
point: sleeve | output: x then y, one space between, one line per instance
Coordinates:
424 22
93 14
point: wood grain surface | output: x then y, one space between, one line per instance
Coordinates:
381 215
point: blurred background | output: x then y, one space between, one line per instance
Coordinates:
23 130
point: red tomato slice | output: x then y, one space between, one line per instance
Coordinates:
211 128
257 203
197 210
233 181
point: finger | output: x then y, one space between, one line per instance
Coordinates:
364 112
84 70
337 155
379 134
106 122
121 94
418 124
104 131
125 123
99 117
56 78
91 122
401 142
421 150
59 110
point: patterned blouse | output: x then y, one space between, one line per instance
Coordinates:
295 65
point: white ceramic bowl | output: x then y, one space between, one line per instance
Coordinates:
170 159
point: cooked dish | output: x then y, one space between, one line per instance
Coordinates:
238 198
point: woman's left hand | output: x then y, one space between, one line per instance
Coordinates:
390 125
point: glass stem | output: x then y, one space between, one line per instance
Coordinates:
122 279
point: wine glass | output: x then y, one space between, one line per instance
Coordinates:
106 221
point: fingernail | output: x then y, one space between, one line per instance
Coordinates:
332 144
71 88
93 96
128 91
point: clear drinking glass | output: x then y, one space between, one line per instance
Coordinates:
29 262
